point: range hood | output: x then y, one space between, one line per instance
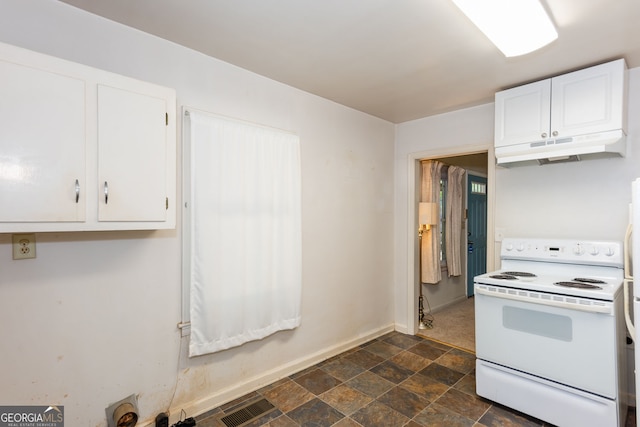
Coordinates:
597 145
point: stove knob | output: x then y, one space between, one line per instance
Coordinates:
578 250
509 247
594 250
609 251
520 247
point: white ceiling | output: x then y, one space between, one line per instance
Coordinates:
395 59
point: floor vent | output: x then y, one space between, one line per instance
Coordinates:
247 413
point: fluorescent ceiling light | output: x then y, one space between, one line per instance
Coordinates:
516 27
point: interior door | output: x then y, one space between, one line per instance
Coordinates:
476 228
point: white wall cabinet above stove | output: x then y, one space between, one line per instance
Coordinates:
550 112
83 149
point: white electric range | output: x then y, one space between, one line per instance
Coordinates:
550 331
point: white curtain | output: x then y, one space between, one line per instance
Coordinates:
245 232
453 232
430 192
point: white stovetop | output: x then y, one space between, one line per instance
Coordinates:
558 260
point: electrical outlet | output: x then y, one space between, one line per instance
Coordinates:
24 246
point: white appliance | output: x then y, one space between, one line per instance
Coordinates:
550 331
633 258
567 149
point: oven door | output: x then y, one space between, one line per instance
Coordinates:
562 339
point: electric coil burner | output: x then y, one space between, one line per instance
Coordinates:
519 273
576 284
512 275
544 322
503 277
588 280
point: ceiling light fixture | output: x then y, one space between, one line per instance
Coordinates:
515 27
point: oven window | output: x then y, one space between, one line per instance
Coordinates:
537 323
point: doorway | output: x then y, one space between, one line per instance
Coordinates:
480 161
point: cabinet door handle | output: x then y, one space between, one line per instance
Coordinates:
555 133
77 190
106 192
544 134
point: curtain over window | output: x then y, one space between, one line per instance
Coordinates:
244 207
430 192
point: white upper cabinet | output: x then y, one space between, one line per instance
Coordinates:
42 145
522 113
589 100
132 156
579 103
83 149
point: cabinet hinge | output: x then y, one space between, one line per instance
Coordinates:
166 119
166 203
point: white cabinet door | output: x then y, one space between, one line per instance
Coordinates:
579 103
68 133
588 101
522 114
132 156
42 145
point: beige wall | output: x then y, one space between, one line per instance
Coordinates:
460 132
93 318
586 199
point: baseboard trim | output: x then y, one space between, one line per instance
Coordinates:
448 304
220 397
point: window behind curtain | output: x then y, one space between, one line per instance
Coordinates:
443 218
244 232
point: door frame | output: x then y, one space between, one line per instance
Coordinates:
413 197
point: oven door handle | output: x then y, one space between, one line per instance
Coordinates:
553 303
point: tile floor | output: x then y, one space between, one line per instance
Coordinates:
394 380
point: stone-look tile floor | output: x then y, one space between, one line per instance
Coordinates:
394 380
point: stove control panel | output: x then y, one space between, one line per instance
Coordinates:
592 252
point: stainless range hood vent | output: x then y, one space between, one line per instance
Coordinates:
561 159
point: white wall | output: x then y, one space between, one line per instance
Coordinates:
93 318
459 132
587 199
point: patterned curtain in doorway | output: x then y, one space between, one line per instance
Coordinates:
430 192
454 220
